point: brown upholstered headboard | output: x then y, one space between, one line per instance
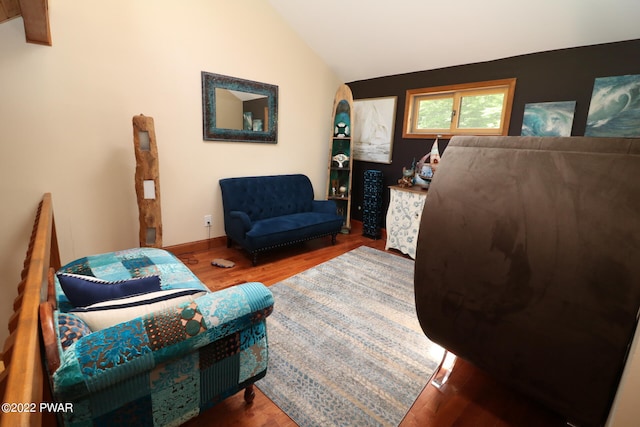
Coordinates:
528 264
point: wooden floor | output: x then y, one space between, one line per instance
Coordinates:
469 398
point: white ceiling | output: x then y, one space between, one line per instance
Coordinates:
363 39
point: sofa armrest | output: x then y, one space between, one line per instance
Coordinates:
324 206
123 351
239 223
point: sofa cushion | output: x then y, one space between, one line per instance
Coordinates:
291 228
86 290
108 313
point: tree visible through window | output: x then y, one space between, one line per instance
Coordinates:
475 108
434 113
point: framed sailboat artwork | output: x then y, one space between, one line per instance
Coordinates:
373 130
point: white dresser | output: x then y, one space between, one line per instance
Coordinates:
403 218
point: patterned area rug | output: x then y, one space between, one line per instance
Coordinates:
345 346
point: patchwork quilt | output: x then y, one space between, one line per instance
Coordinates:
162 368
129 263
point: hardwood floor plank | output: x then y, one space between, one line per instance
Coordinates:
469 398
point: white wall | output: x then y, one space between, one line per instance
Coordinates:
625 411
65 118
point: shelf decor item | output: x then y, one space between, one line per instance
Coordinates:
340 158
427 165
408 176
341 155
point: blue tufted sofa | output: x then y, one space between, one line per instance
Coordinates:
265 212
160 368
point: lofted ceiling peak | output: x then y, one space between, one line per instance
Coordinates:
364 39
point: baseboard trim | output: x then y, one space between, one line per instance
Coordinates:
216 242
197 246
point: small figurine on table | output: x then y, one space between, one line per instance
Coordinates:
407 177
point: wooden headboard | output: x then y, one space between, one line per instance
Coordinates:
24 380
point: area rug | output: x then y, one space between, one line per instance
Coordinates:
345 346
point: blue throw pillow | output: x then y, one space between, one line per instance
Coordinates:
71 329
82 291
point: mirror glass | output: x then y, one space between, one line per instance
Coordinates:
238 110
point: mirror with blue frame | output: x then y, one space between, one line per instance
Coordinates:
239 110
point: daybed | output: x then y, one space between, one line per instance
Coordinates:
265 212
166 364
527 264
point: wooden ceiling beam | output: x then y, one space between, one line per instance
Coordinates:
9 9
35 14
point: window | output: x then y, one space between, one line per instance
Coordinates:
482 108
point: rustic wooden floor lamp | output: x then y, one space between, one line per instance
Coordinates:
147 181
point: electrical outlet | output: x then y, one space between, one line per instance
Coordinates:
207 220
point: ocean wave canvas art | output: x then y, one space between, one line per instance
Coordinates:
548 118
615 107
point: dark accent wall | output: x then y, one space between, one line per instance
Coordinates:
559 75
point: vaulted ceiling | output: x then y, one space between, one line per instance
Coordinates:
363 39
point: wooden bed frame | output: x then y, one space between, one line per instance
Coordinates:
24 382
